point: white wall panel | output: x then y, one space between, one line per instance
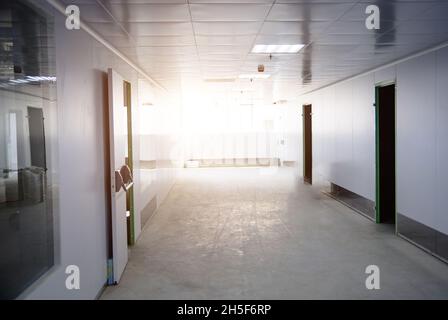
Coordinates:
343 164
441 221
416 132
344 135
292 138
386 74
82 209
364 136
329 125
318 132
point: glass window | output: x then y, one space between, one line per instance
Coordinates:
27 122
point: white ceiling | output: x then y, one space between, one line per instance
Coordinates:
200 39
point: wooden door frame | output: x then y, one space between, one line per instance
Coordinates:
307 154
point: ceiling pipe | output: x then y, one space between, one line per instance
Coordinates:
61 8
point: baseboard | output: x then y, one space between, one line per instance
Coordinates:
423 236
353 200
101 291
422 248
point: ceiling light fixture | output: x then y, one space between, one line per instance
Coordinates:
277 48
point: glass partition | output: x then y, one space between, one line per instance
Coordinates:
27 122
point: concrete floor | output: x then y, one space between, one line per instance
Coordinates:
253 233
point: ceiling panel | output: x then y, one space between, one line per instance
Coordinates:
229 12
171 50
419 27
225 63
150 12
158 41
352 39
354 27
233 1
143 59
291 28
159 29
222 57
124 2
180 41
318 1
436 12
224 40
393 38
223 49
308 12
226 28
92 12
108 29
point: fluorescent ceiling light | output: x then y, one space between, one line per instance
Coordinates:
254 76
277 48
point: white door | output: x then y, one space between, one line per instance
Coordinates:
118 153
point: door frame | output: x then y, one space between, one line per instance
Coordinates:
308 154
377 149
127 87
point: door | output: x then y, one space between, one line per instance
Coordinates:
37 137
385 154
307 144
118 153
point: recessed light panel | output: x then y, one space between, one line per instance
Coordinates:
277 48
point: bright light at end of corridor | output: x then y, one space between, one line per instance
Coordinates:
254 76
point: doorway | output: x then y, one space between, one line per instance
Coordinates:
37 137
129 163
121 178
385 154
307 144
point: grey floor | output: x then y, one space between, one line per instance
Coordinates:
254 233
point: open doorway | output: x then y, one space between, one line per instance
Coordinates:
385 154
121 177
129 163
307 144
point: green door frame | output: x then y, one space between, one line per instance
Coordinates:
377 149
